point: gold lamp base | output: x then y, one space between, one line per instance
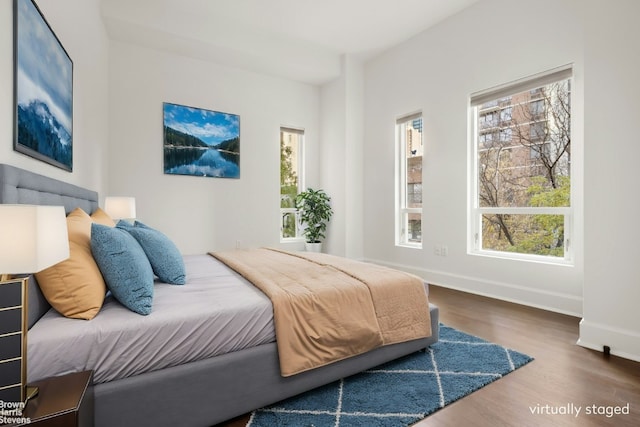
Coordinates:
30 393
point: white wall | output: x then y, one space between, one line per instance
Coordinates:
333 160
436 71
354 155
79 28
612 89
204 214
491 43
342 129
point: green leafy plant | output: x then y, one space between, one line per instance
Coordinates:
315 211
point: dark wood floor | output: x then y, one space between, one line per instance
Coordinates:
563 375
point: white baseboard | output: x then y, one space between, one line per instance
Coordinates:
623 343
546 300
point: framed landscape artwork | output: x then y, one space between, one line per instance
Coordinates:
201 142
43 89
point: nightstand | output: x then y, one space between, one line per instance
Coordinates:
64 401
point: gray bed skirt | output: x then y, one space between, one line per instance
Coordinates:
210 391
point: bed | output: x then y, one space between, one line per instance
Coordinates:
167 387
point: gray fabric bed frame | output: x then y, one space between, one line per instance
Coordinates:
201 393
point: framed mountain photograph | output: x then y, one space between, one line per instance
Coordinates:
43 89
201 142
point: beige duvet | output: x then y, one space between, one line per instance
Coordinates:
328 308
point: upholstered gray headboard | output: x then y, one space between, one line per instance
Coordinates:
19 186
27 188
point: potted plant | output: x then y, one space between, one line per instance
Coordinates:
314 212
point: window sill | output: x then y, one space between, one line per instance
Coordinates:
509 256
409 245
292 240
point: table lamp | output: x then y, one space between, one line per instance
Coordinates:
33 238
120 207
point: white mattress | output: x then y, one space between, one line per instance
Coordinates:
215 312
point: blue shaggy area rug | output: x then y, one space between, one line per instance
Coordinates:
401 392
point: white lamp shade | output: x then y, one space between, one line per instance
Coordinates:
120 207
33 238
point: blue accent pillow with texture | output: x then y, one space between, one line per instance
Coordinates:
124 266
163 254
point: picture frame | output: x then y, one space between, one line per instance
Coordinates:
43 89
200 142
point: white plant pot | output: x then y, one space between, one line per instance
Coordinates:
313 247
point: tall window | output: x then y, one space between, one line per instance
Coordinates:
409 173
291 181
521 205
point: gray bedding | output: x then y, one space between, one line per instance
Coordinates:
215 312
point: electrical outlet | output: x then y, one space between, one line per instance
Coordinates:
238 244
441 250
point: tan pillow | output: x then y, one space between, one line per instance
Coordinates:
75 287
101 217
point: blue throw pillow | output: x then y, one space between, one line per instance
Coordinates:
124 266
164 256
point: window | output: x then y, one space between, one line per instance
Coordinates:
409 189
505 114
291 182
538 130
521 182
537 108
506 134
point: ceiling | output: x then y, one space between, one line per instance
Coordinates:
302 40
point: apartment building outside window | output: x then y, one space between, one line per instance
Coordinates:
521 178
291 182
409 181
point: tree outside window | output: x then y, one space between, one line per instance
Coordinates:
523 177
290 181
